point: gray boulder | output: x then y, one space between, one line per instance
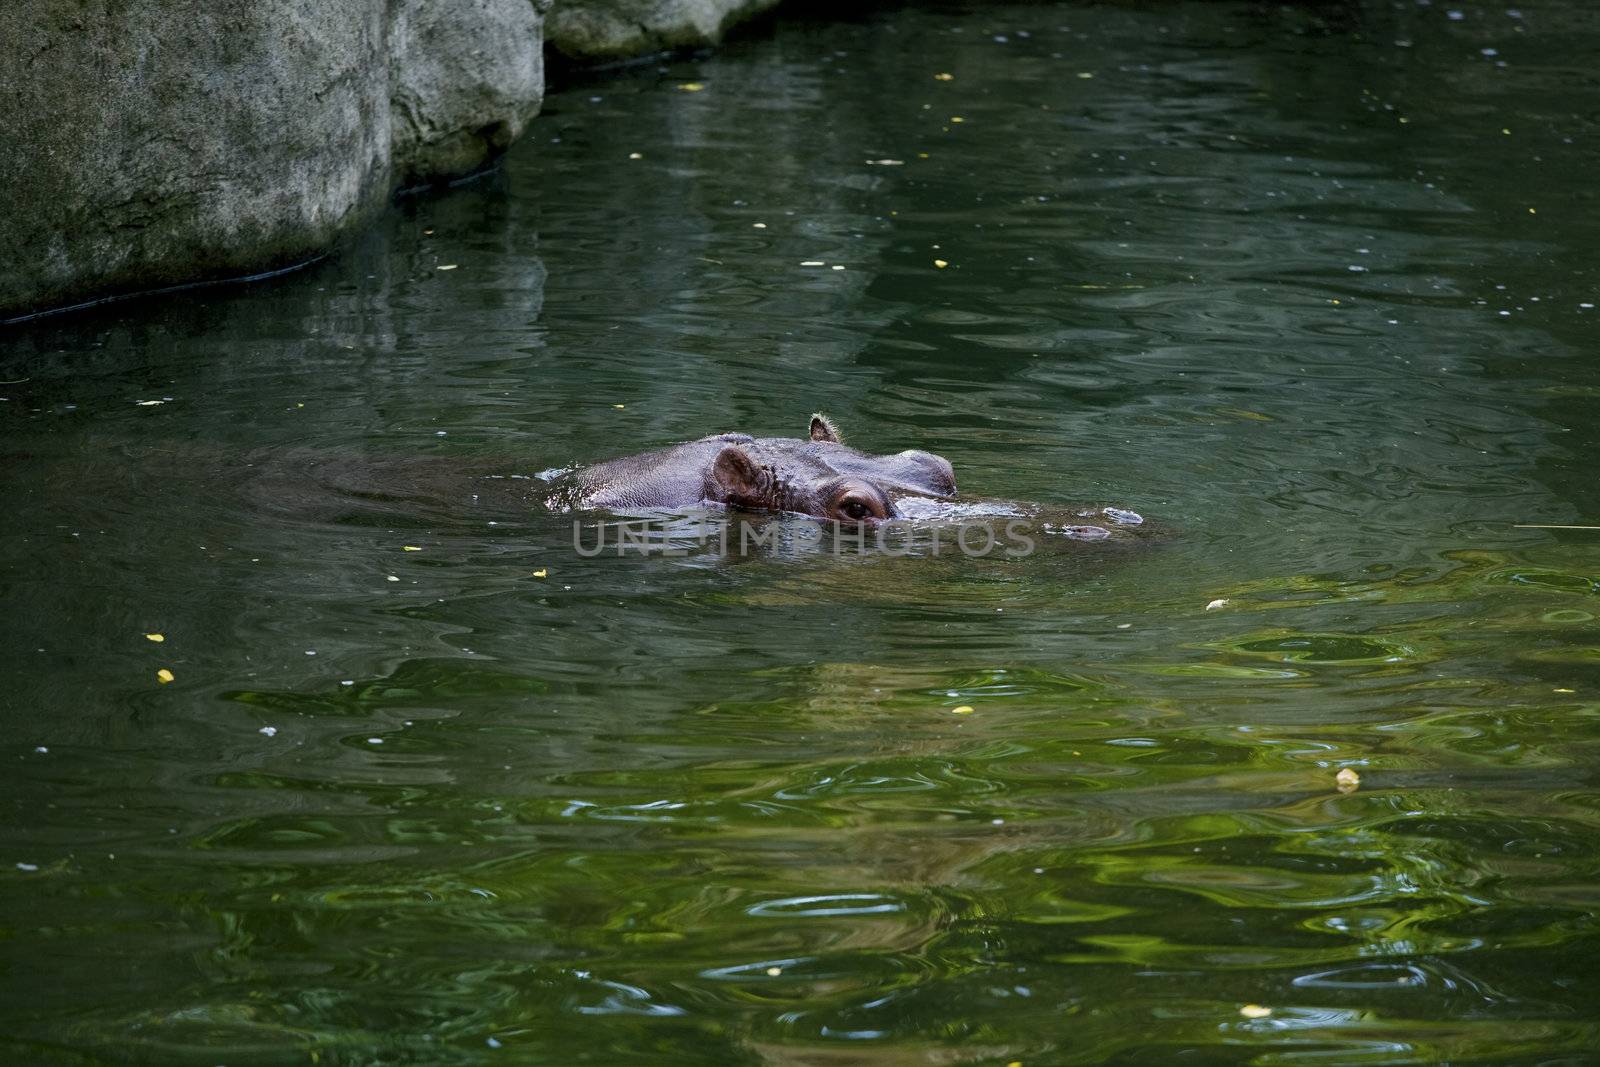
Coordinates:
182 140
615 29
465 77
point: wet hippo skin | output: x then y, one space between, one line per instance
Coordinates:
816 475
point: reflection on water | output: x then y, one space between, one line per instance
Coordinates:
1310 289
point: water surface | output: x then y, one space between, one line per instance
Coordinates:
1311 288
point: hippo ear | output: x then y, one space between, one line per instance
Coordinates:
736 475
822 429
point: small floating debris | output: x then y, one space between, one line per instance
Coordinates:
773 972
1220 602
1123 516
964 709
447 266
27 866
957 118
691 87
157 638
392 578
886 162
838 266
635 155
1347 780
149 403
758 225
410 548
941 263
268 731
944 77
164 676
542 572
813 263
1254 1011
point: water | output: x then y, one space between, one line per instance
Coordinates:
1274 278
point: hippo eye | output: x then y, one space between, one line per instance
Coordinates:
857 507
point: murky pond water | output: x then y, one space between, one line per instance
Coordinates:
1311 288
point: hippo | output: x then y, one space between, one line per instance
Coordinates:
818 475
822 477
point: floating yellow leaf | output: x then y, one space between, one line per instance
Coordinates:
542 572
774 971
957 118
635 155
1255 1011
964 709
163 676
691 87
157 638
620 407
1084 74
1348 780
410 548
944 77
941 263
448 266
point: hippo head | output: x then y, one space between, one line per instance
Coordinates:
822 476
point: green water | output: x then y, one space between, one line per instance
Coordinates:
1308 287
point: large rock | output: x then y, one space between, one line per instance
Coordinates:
171 141
465 77
614 29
